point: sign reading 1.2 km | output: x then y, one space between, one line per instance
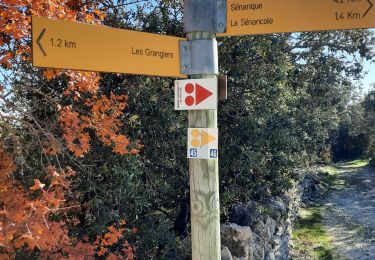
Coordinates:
277 16
71 45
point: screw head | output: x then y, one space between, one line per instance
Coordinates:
221 25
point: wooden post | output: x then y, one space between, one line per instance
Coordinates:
204 184
202 19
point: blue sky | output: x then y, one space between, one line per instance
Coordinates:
370 77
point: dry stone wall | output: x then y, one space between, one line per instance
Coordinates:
263 231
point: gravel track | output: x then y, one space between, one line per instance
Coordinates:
349 212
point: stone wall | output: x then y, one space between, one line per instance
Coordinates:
262 231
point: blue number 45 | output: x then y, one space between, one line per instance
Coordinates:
193 152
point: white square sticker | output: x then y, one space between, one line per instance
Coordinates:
196 94
203 143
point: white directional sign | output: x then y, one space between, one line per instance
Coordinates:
196 94
203 143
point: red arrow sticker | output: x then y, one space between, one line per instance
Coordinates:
201 94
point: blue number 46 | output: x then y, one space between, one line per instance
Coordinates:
193 152
213 153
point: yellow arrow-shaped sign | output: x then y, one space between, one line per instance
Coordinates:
277 16
79 46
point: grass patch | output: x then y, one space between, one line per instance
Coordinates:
332 169
332 179
309 237
356 164
336 181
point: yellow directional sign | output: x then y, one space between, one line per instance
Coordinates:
78 46
277 16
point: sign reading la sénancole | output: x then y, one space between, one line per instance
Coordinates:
276 16
79 46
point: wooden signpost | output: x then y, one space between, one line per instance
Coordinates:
78 46
68 45
276 16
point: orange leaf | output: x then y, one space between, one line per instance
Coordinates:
4 213
102 251
134 151
37 185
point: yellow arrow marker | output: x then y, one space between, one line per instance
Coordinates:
206 138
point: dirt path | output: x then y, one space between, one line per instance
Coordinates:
348 213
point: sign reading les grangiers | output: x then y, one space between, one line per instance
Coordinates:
71 45
277 16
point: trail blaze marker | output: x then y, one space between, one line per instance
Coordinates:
277 16
203 143
78 46
196 94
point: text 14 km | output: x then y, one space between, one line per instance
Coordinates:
349 15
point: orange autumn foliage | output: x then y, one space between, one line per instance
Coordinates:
25 224
103 120
112 237
102 112
25 213
7 165
23 221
